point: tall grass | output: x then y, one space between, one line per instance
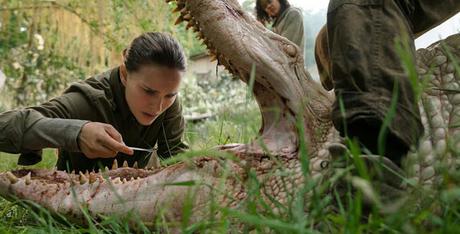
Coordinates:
439 212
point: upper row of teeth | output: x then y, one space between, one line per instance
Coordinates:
186 16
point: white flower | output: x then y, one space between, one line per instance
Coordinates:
17 65
40 41
2 79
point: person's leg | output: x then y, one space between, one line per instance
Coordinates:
367 73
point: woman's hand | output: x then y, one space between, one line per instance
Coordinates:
100 140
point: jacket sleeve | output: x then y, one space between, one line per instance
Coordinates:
293 28
171 132
50 125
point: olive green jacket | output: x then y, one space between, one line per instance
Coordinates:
58 122
290 25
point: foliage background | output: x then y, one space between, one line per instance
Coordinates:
45 45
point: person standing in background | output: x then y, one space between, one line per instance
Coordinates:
287 20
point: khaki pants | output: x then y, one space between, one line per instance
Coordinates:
367 71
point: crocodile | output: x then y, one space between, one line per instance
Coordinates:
294 147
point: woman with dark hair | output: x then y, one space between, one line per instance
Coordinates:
287 20
94 121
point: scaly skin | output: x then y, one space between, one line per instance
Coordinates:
440 110
286 95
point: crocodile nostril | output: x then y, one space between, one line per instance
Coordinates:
324 164
290 50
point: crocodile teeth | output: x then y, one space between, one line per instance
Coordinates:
205 41
190 24
187 16
179 20
83 178
213 54
135 165
115 164
125 180
27 178
13 179
125 164
92 179
179 7
116 181
200 35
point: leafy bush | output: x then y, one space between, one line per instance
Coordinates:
211 95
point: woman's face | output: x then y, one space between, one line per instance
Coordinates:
272 8
150 91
